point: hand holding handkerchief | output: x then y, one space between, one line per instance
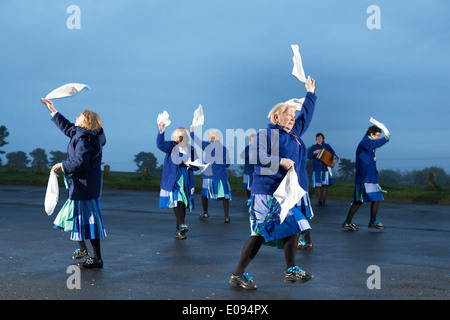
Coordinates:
67 90
288 192
163 118
380 125
199 118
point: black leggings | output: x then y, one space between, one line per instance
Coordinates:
95 248
225 203
180 214
253 245
355 206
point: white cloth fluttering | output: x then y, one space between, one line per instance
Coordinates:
379 125
67 90
288 192
204 168
199 118
296 103
297 70
163 118
52 194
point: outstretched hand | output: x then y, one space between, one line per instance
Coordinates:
49 105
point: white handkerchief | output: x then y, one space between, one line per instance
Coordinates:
204 168
67 90
297 71
163 118
288 193
199 118
296 103
379 125
52 194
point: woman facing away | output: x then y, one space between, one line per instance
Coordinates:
275 151
366 178
177 182
81 214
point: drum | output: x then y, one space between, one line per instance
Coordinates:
327 157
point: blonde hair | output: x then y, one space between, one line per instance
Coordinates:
279 109
181 132
92 120
214 135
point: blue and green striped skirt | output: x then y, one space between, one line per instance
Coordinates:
179 193
367 192
82 218
265 219
321 178
216 189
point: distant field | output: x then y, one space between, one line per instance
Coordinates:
132 180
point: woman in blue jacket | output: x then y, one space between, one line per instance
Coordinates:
177 183
321 177
81 214
216 186
366 178
274 152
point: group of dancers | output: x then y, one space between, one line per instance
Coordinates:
279 143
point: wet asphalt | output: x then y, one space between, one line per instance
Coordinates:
143 261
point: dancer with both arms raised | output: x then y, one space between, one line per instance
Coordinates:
177 182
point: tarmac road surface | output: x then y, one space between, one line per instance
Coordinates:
410 259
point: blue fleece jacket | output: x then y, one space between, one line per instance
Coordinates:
273 144
172 163
248 167
365 164
215 154
84 157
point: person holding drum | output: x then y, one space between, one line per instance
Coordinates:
366 178
324 158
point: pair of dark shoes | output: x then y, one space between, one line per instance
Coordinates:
291 275
180 233
204 215
90 261
352 227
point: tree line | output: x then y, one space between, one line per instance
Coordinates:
344 171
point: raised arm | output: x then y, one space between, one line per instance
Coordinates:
306 113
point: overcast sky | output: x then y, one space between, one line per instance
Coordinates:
234 58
